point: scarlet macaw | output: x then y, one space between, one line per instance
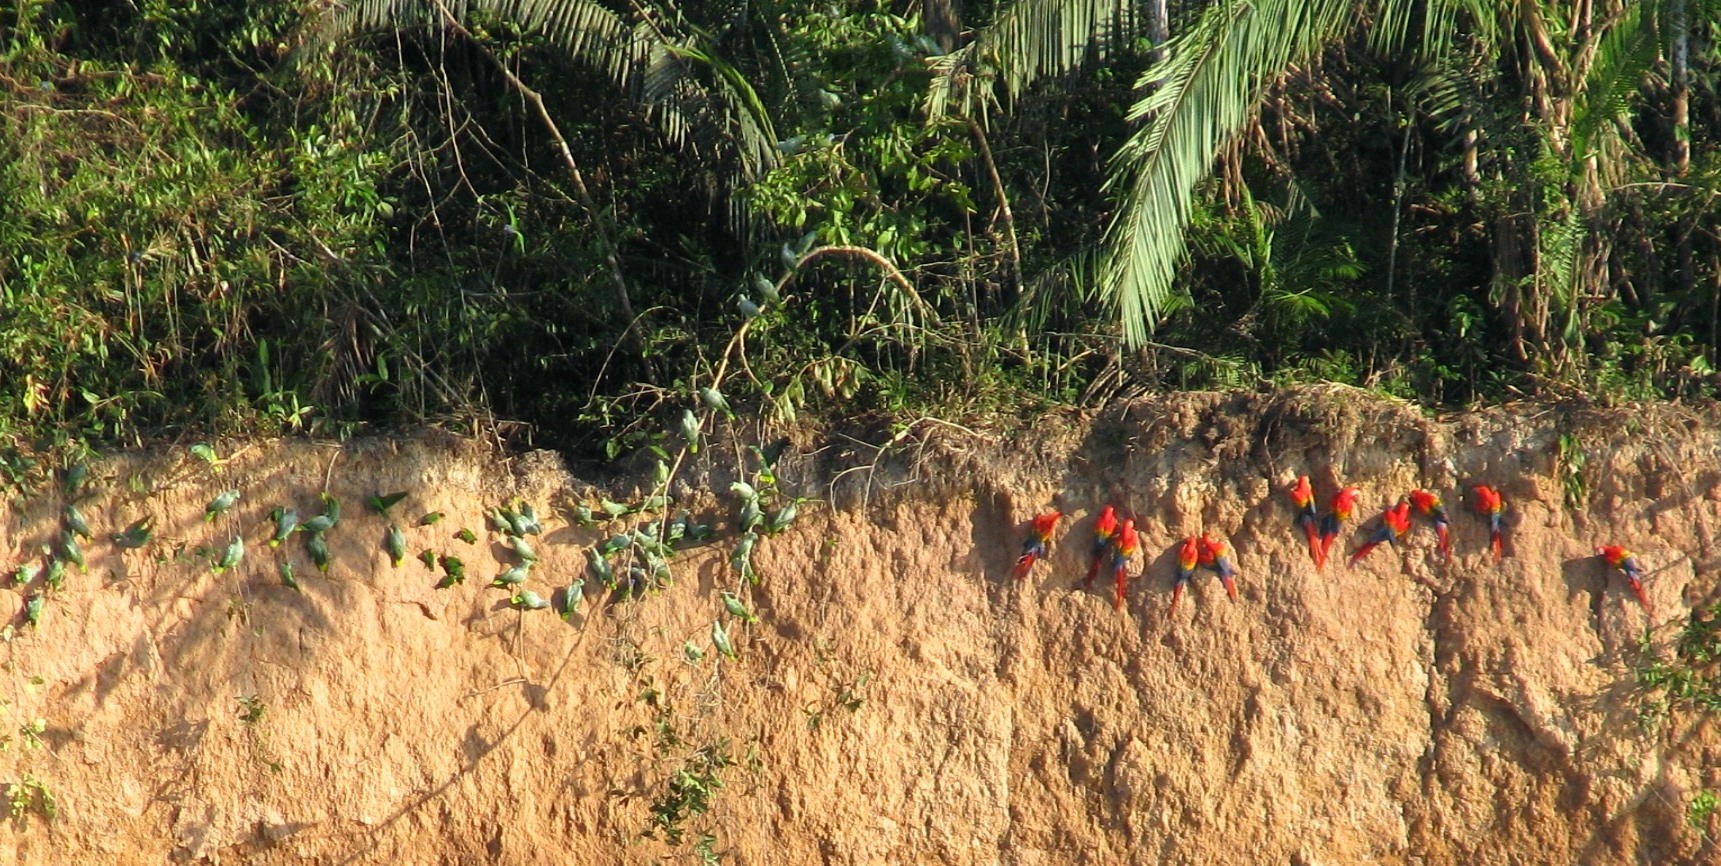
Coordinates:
1489 504
1216 554
1188 556
1127 544
1343 503
1394 523
1429 506
1105 529
1039 537
1303 496
1622 559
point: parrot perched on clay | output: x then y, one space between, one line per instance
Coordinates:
1127 545
1489 504
1188 557
1216 555
1105 530
1622 559
1394 523
1428 505
1039 538
1303 497
1344 502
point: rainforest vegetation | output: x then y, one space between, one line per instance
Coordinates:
559 219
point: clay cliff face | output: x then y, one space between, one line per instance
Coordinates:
900 699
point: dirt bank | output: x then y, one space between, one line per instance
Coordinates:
899 700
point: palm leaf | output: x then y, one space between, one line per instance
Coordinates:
1027 41
1195 102
716 116
1624 59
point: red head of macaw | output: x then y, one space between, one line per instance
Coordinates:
1127 544
1394 523
1344 502
1625 561
1105 529
1491 505
1428 505
1039 540
1303 497
1188 557
1216 555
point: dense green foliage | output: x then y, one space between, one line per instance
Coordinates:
275 216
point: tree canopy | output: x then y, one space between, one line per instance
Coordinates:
565 217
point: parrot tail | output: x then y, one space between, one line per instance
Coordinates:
1362 552
1023 564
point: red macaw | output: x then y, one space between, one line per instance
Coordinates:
1303 496
1343 503
1622 559
1039 538
1394 523
1105 529
1216 554
1428 505
1188 557
1489 504
1127 545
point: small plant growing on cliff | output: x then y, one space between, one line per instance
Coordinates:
30 795
1571 470
689 793
251 709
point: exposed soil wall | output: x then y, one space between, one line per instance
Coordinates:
900 699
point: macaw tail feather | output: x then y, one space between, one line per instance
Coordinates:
1230 587
1498 544
1314 542
1441 530
1327 540
1022 565
1637 589
1093 572
1176 593
1362 552
1117 596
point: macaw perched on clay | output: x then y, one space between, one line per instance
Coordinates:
1394 523
1428 505
1105 529
1127 544
1039 537
1344 502
1216 554
1489 504
1303 497
1188 557
1622 559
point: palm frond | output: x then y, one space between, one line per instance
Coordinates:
1196 100
1027 41
1623 61
715 116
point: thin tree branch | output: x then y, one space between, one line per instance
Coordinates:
605 242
